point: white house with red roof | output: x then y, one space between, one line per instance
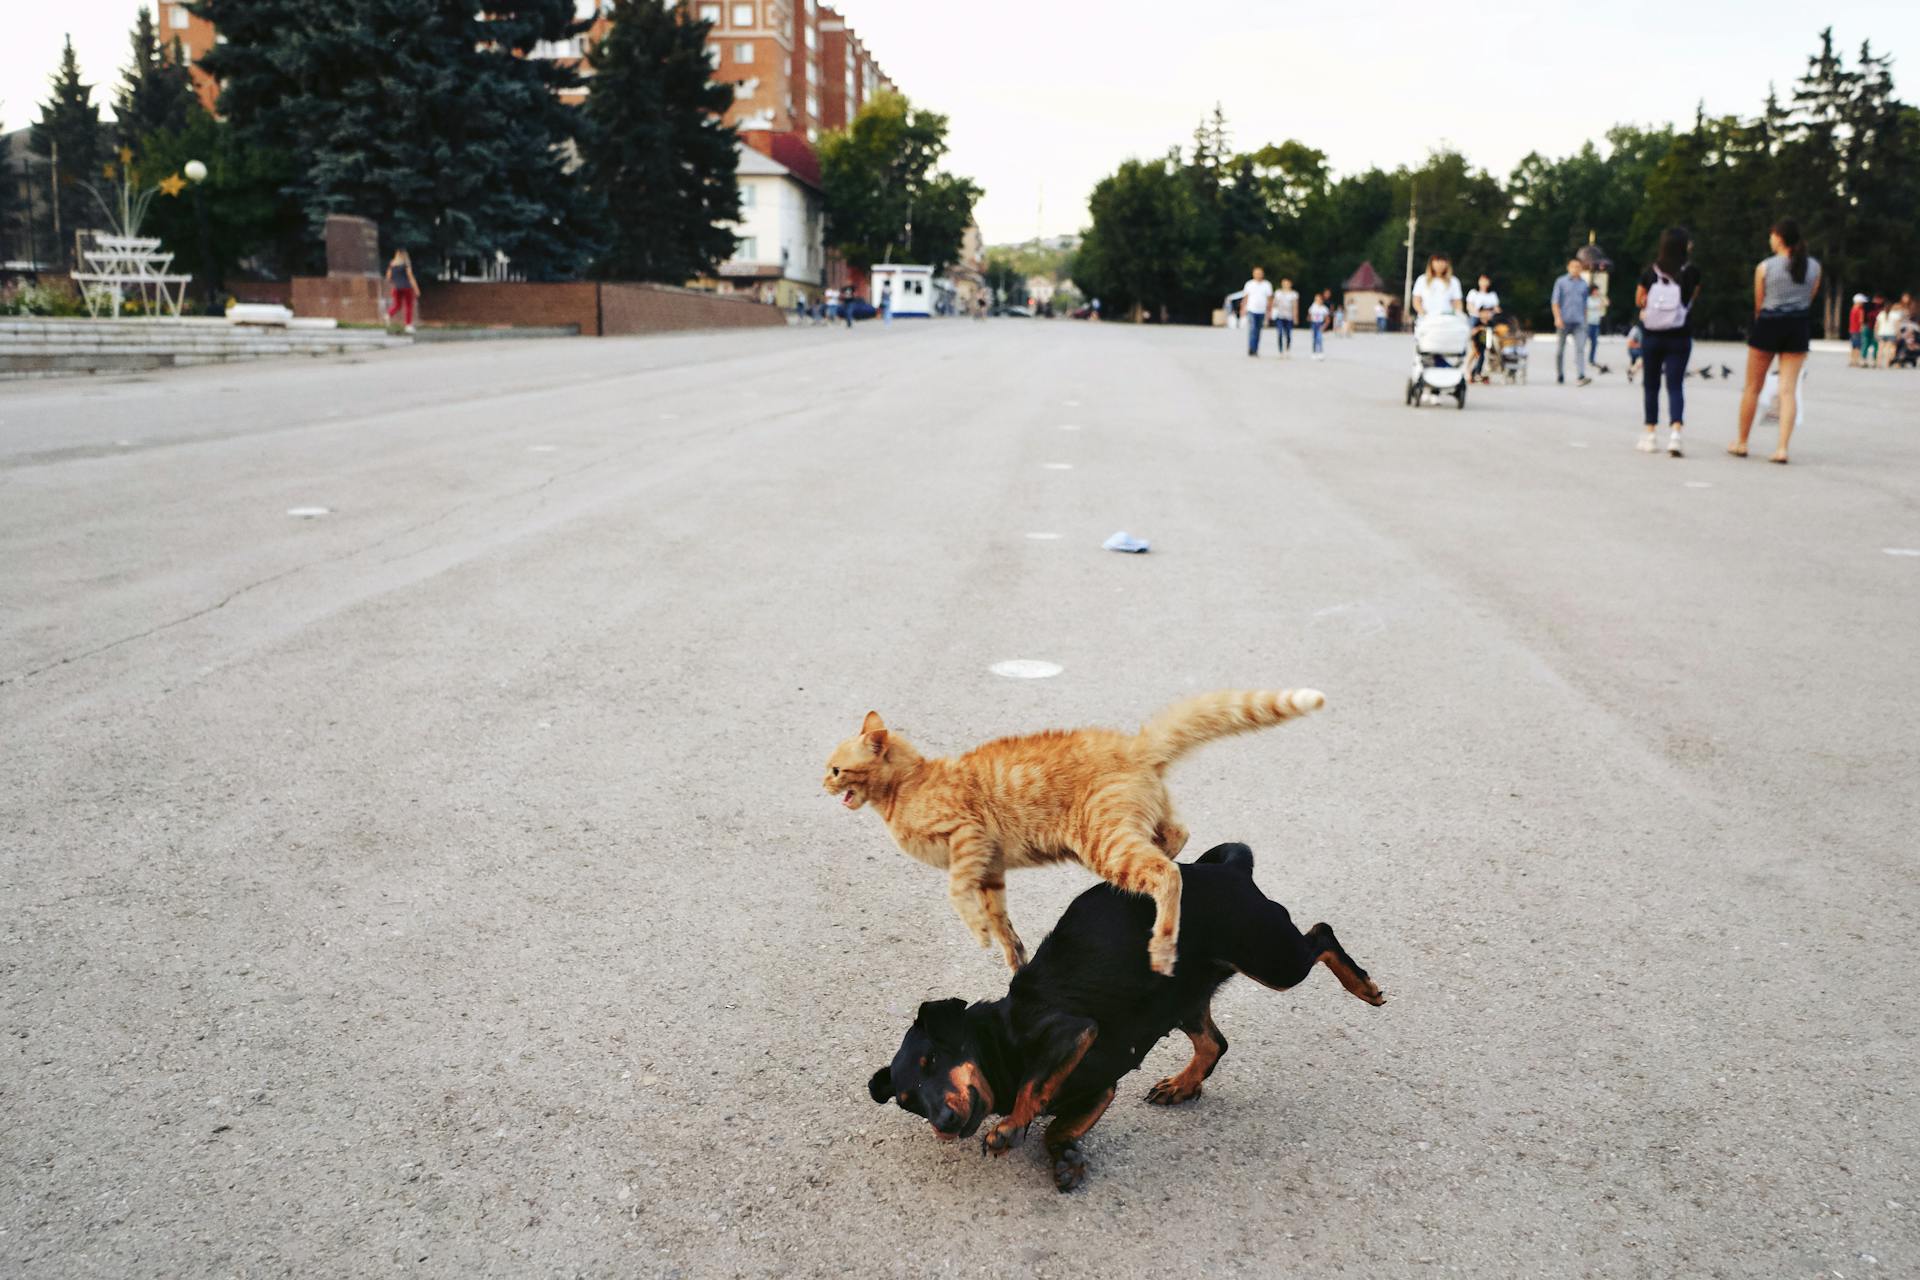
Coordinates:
780 253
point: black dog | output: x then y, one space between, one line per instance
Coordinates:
1086 1009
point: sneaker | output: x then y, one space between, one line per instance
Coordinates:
1584 382
1673 444
1646 444
409 328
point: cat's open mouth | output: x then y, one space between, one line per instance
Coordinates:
849 799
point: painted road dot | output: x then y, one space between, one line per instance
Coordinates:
542 448
1071 404
1069 426
1699 484
1892 551
1579 444
308 513
1026 669
1059 466
1044 537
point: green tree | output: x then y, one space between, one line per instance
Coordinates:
1006 279
885 199
1146 243
69 133
156 88
247 219
424 115
657 155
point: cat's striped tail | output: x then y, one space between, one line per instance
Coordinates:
1187 724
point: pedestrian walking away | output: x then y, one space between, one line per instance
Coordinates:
1379 317
1886 333
886 303
1340 322
1665 296
404 288
1256 299
1596 311
1784 287
1856 321
1317 315
1569 301
847 297
1286 314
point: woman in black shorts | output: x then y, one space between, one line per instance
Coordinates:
1784 287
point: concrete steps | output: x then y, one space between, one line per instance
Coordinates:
32 347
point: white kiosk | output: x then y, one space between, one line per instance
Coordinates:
912 288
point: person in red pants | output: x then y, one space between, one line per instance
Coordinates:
404 288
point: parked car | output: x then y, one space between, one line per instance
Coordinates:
862 309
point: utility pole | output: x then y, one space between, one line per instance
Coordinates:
59 246
1413 221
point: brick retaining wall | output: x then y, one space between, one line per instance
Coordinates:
593 309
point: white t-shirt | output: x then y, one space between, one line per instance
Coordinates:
1436 295
1887 323
1479 300
1286 304
833 297
1259 294
1317 312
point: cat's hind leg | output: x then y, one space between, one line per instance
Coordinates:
1128 859
977 887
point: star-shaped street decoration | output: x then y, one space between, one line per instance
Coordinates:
173 184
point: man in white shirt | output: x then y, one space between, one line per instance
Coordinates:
1254 307
832 299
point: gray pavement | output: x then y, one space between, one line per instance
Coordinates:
443 884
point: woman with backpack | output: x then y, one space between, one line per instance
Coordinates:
1784 287
1668 289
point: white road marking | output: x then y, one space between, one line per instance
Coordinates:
1071 404
1699 484
1059 466
1892 551
1044 537
542 448
1579 444
1026 669
1069 426
308 513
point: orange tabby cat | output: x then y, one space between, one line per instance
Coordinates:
1091 794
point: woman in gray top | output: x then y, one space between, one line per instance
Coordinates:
1783 291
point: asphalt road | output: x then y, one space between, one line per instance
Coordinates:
443 885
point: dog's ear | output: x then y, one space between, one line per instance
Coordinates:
880 1087
944 1020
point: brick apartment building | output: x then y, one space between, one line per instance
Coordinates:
196 37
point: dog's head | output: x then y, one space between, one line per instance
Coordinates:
867 763
937 1073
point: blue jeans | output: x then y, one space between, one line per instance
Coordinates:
1319 326
1593 342
1666 352
1560 352
1254 322
1283 334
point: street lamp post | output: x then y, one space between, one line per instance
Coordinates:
196 173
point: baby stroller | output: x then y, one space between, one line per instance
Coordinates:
1439 358
1512 343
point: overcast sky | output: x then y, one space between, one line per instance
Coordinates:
1047 96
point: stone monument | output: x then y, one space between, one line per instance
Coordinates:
352 291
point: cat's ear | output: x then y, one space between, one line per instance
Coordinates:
874 729
873 723
880 1086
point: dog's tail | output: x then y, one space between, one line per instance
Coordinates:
1237 856
1186 725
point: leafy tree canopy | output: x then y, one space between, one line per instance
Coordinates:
885 199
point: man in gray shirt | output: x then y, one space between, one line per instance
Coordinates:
1570 321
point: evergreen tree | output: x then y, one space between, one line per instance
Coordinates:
424 115
655 149
156 89
69 124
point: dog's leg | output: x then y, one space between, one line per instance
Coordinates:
1209 1044
1267 948
1128 860
1063 1141
1053 1050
